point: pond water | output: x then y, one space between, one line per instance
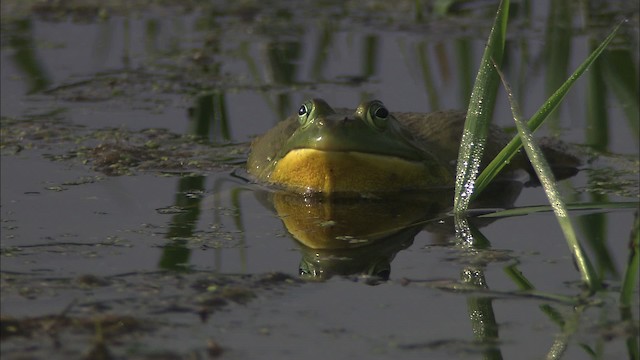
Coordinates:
129 231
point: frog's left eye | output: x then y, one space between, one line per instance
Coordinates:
378 115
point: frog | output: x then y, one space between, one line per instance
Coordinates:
370 150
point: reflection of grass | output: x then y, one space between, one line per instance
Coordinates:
25 58
557 50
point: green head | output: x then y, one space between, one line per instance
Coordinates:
369 129
344 151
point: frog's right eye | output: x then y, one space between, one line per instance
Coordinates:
304 112
377 115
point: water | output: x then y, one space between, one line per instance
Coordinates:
183 255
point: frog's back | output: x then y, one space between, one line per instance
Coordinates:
441 132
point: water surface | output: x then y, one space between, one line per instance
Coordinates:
124 211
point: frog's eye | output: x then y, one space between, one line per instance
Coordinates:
304 112
378 115
381 112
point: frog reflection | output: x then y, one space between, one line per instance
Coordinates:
347 236
372 261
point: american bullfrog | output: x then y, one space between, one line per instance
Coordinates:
366 150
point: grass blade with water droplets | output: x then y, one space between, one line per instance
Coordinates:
480 112
545 175
503 158
596 206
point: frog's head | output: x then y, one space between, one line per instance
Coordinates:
366 150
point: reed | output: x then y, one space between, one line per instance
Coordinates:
479 114
510 150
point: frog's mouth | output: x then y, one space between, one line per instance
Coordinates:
312 170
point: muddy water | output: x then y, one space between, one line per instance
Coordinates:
128 229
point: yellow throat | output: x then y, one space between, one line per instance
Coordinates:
311 170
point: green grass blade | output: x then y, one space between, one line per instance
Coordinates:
538 118
524 284
468 235
480 112
517 277
545 175
528 210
